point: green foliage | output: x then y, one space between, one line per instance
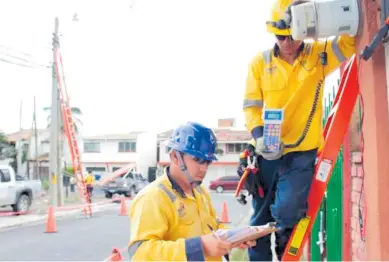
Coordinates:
8 150
76 112
45 184
3 142
69 170
219 151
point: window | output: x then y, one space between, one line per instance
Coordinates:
95 169
19 178
127 146
5 176
92 147
236 148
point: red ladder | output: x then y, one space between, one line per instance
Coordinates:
70 131
334 132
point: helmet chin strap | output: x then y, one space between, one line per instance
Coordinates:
193 183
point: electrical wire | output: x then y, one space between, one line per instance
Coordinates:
361 218
19 58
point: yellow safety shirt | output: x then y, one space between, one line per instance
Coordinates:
89 179
166 224
279 85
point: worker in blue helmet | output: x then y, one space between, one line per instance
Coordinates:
173 218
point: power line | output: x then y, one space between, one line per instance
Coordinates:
2 59
36 66
23 62
10 48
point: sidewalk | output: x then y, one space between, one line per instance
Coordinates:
40 207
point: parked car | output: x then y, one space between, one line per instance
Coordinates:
140 182
128 184
224 183
17 192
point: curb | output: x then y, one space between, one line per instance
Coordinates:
59 214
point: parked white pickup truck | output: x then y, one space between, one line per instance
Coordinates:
17 192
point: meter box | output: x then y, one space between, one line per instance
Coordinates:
272 119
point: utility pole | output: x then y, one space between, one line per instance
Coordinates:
59 152
54 130
35 128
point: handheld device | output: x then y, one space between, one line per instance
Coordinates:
245 233
272 119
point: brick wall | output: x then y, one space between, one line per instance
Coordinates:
358 245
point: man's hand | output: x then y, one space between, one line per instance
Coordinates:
214 247
260 150
247 244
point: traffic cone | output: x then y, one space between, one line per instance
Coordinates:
116 256
51 226
123 207
224 215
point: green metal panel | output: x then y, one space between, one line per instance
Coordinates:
329 219
334 213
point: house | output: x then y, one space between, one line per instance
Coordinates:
27 162
231 142
107 153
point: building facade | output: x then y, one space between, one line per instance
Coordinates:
107 153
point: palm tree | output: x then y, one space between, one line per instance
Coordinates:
76 113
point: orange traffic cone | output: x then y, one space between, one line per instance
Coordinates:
51 226
123 207
224 215
116 256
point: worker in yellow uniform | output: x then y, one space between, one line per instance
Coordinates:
289 76
89 181
173 217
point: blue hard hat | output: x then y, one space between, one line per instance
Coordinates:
194 139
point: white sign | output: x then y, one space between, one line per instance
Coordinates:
324 170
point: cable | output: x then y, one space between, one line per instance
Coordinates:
7 58
323 61
361 218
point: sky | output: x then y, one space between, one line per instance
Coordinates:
131 65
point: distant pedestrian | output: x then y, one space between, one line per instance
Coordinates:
89 180
73 182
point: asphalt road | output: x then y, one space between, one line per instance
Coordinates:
80 239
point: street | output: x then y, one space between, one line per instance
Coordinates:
80 239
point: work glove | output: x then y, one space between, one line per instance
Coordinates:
261 150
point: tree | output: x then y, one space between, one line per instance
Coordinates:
8 150
76 113
219 152
3 141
